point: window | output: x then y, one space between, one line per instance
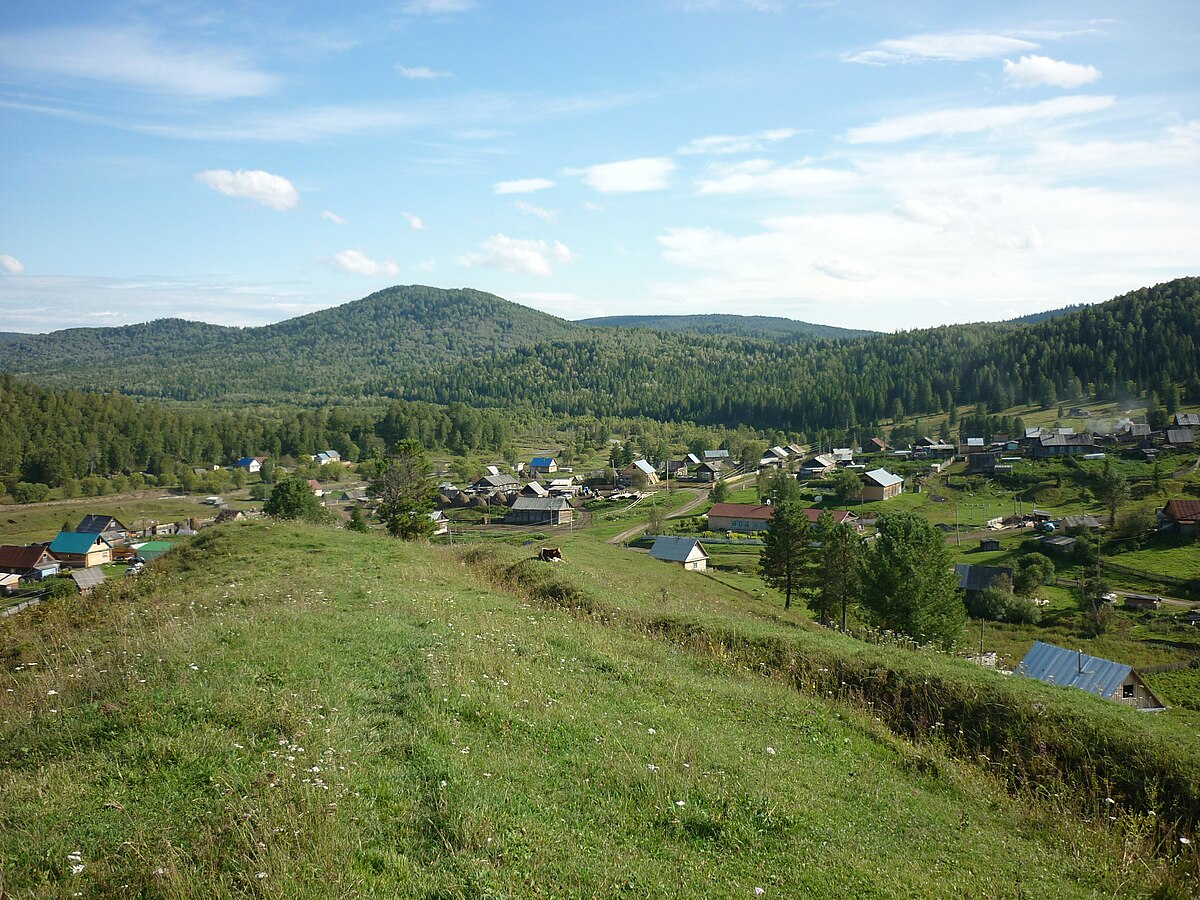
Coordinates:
1127 691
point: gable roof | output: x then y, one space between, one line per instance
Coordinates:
1182 511
497 481
692 458
1057 665
1081 522
676 549
1181 435
98 524
742 511
12 557
883 477
542 504
820 461
1188 419
643 466
542 462
978 578
716 454
1065 439
76 542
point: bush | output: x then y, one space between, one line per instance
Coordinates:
26 492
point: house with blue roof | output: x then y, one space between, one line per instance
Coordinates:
81 549
251 464
684 551
1111 680
543 465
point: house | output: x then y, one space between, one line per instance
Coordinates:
251 464
1186 420
843 455
1183 515
327 456
685 551
1181 437
926 448
534 489
880 484
676 468
564 487
33 562
543 465
1133 433
972 445
1062 444
317 490
779 453
540 511
491 483
776 456
88 580
637 469
876 445
109 526
715 455
81 549
794 449
692 459
441 525
984 463
1102 677
743 517
709 471
816 466
977 579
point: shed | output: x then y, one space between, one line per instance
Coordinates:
540 511
988 544
88 580
153 549
1089 523
1073 668
1059 543
685 551
1142 601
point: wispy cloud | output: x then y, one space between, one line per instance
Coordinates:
628 176
437 7
761 176
1033 71
420 73
332 217
355 262
522 186
135 57
532 257
723 144
974 119
546 215
270 190
415 222
11 265
940 47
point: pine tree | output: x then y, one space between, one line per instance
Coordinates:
786 554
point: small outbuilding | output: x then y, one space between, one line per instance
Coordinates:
685 551
540 511
1111 680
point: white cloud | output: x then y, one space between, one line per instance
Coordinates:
1031 71
1173 155
437 7
721 144
761 176
420 73
135 58
354 262
414 221
974 119
332 217
628 176
546 215
517 255
522 186
262 187
11 264
940 47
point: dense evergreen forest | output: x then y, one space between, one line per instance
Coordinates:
736 326
466 347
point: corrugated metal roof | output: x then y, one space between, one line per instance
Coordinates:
75 542
1056 665
883 477
644 466
716 454
543 504
542 462
978 578
675 549
87 579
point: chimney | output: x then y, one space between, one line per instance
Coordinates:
1080 652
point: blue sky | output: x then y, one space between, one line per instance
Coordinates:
862 164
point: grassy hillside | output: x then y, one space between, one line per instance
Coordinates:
295 711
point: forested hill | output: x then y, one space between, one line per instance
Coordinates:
420 343
732 325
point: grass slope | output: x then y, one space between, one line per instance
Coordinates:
292 711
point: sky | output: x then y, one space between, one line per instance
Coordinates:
869 165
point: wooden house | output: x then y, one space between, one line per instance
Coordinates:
746 518
880 484
1102 677
33 562
540 511
543 465
109 526
81 549
637 469
684 551
1183 515
818 465
709 471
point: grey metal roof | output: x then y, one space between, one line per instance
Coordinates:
87 579
978 578
543 504
644 466
716 454
1056 665
883 477
675 549
1081 522
1066 439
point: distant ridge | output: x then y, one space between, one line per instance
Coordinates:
729 324
1034 318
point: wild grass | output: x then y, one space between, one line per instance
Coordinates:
296 711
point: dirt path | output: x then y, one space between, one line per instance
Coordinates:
700 496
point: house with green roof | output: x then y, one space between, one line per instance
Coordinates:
81 549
